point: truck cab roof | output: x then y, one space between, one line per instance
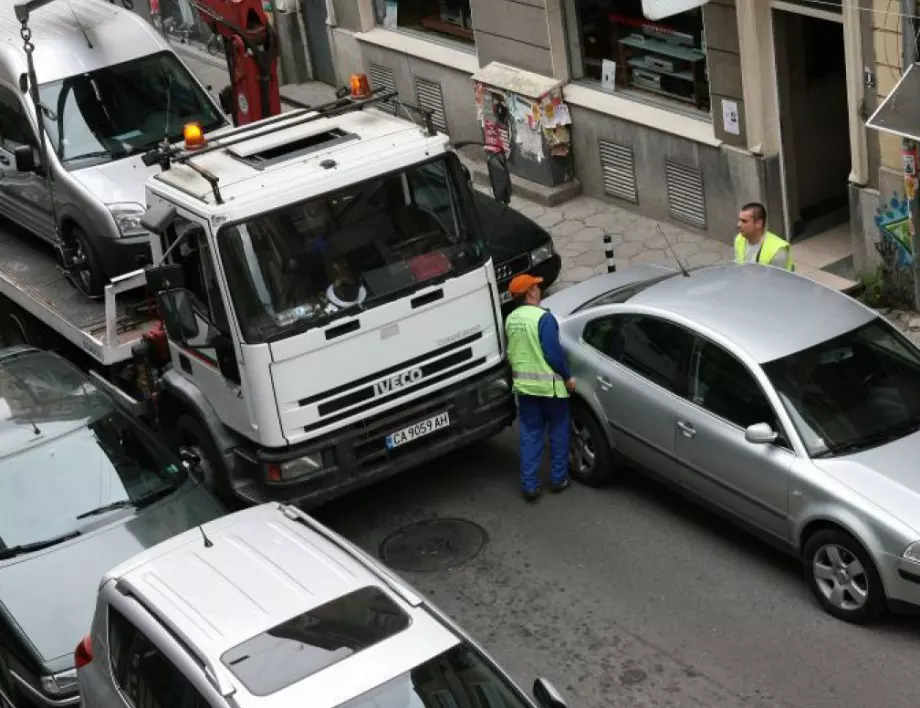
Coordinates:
297 159
236 589
61 47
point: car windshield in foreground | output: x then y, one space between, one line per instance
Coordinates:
66 453
853 392
306 264
123 109
458 678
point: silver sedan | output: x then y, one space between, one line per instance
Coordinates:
784 405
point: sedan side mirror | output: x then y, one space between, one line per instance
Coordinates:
24 157
547 695
760 434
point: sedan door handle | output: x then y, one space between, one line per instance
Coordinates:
604 381
688 430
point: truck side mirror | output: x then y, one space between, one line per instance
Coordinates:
159 217
164 277
467 175
24 158
178 315
499 177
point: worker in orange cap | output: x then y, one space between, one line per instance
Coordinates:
542 383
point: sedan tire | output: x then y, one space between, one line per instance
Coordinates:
843 577
590 456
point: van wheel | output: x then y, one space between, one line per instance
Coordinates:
590 456
843 577
190 436
17 327
90 278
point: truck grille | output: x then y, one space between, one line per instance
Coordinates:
509 269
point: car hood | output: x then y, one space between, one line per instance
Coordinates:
117 181
51 595
508 232
886 475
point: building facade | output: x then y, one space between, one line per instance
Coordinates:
681 119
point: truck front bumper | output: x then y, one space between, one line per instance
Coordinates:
477 409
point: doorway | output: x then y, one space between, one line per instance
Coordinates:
318 45
811 79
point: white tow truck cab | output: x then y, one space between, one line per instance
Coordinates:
331 314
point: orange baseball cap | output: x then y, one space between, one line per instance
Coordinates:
522 283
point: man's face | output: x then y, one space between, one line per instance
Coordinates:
534 293
747 226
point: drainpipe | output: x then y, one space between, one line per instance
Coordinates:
909 55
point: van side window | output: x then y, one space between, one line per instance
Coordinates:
15 128
145 676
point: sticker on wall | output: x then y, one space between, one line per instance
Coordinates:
389 15
730 121
608 75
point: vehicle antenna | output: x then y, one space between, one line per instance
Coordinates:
683 270
207 541
80 25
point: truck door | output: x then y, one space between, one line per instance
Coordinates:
25 197
207 357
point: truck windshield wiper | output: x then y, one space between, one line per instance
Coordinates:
137 503
36 546
96 153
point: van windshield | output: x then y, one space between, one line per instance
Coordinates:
123 109
303 265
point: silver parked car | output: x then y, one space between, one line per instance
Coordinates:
782 404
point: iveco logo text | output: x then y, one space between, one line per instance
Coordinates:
394 383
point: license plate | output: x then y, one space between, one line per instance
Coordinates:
505 297
418 430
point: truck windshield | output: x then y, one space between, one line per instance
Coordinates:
304 265
123 109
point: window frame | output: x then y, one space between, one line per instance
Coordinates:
378 11
681 378
783 441
23 114
574 49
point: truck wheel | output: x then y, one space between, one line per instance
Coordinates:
191 436
17 326
590 457
90 279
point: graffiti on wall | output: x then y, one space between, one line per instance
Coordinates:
893 221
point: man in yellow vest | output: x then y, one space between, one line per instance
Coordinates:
754 244
542 383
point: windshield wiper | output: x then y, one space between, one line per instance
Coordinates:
877 438
96 153
36 546
137 503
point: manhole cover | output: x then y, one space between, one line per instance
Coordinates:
433 545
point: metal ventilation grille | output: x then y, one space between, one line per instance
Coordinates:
430 98
381 77
686 198
619 171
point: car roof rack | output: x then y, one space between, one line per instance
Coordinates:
166 155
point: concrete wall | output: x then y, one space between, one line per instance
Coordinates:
721 21
513 32
346 53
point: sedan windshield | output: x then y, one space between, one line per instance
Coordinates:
458 678
303 265
852 392
123 109
68 457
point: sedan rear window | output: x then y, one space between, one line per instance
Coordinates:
308 643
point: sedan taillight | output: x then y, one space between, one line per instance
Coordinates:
83 654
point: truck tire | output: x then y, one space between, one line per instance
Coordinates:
189 434
17 326
91 280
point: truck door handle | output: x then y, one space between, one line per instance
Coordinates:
604 381
688 430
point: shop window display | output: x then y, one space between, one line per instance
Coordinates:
451 19
618 47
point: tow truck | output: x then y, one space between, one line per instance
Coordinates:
322 312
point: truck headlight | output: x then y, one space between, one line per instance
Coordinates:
912 553
297 468
127 217
61 684
543 253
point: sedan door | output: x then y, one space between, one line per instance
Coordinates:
747 480
637 364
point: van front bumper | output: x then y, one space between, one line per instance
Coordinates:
477 409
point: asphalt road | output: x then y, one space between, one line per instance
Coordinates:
629 596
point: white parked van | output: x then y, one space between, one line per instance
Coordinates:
266 607
110 88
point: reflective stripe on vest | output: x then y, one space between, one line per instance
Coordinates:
530 372
771 245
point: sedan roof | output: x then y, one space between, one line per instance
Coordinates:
767 311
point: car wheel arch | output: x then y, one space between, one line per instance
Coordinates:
594 407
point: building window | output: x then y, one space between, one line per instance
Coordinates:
612 43
450 19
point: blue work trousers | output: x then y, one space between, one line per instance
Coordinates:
538 415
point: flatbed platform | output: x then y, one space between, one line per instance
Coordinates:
106 328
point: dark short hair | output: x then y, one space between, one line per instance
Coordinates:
758 211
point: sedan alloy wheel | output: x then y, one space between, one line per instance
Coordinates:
589 453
